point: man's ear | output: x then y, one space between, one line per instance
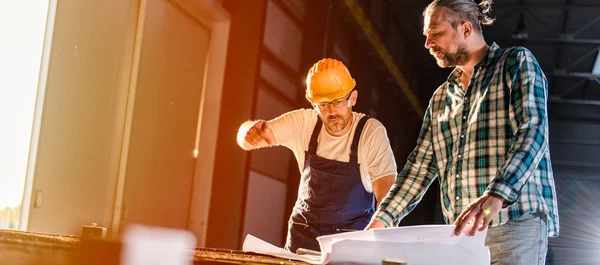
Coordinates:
467 28
354 97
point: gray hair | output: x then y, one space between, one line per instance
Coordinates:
464 10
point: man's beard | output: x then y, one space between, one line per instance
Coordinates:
335 125
448 59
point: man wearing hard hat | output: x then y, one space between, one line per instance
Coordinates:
344 164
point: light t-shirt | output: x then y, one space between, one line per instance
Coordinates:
375 156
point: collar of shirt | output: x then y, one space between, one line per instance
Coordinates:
454 77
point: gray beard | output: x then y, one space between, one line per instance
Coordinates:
336 127
461 57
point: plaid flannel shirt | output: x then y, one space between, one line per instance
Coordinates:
492 138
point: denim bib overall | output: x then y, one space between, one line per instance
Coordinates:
331 196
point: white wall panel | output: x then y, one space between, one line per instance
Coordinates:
276 77
268 106
298 7
282 37
265 210
273 161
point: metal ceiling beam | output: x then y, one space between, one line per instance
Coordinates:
559 48
547 6
574 141
575 163
582 58
574 101
585 177
374 39
572 119
562 36
541 21
573 87
596 69
498 6
586 26
568 39
562 73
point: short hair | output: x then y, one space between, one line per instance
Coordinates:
460 11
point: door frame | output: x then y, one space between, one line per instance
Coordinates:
37 118
218 21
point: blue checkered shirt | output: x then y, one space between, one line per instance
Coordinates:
493 138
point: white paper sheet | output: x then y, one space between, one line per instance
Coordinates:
256 245
417 245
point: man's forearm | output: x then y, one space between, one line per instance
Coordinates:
382 186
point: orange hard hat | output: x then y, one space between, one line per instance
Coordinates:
327 80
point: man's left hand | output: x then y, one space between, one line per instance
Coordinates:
481 211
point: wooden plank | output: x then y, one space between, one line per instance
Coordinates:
30 248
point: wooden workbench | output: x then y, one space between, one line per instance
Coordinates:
29 248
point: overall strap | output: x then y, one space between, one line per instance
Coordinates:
354 146
312 146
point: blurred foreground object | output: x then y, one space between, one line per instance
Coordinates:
144 245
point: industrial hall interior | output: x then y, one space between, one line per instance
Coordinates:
300 132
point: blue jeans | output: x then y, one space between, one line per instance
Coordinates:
520 241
